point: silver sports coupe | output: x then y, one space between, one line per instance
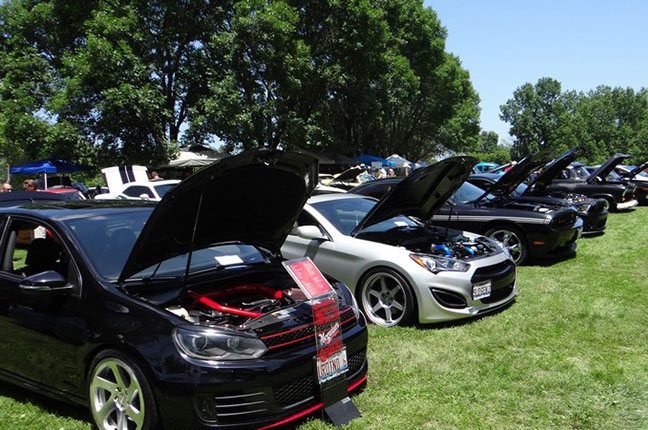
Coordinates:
401 269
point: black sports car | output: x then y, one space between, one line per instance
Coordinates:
525 229
178 315
511 186
618 176
557 181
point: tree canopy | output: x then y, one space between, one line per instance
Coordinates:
601 122
128 80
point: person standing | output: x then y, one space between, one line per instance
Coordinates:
29 185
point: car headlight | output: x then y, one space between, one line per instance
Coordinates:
437 264
205 344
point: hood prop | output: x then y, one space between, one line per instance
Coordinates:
193 238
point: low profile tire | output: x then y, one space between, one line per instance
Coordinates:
120 396
513 239
386 298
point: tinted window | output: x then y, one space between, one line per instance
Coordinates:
468 192
162 189
346 214
137 190
107 240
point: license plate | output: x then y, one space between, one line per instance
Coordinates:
334 366
481 290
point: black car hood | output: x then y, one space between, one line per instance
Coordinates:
510 180
553 170
605 168
422 193
634 172
252 198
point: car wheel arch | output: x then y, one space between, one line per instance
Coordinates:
415 291
495 225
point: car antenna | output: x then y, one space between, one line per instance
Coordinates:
193 238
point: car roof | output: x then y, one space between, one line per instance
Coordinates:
69 209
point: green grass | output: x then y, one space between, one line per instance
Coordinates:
571 353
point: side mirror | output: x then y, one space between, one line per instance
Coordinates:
311 232
144 197
45 282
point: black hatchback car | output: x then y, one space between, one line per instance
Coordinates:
178 315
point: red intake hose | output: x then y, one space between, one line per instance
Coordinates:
239 289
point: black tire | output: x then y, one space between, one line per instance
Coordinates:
513 239
119 394
386 298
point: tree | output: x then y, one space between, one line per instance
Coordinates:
539 118
487 141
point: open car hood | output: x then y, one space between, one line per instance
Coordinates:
519 172
348 175
554 169
634 172
252 198
605 168
422 193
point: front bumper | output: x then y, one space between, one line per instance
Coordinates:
594 222
626 205
552 242
256 394
447 296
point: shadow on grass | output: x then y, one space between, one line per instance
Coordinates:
47 404
464 321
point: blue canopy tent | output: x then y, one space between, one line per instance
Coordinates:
368 159
49 165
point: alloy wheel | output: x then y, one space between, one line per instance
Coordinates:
511 242
384 299
116 397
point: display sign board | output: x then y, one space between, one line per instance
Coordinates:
331 358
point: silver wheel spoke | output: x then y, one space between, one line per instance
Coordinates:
383 284
377 307
106 409
398 306
118 376
107 385
388 315
374 293
122 423
135 415
395 291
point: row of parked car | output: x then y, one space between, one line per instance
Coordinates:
181 312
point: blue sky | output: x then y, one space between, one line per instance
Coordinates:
582 44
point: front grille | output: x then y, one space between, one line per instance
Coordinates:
305 388
449 299
303 334
232 408
492 273
295 391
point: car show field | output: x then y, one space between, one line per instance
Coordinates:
569 353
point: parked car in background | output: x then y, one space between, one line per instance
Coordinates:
349 178
152 190
401 269
620 175
511 186
484 167
559 179
70 193
526 229
17 198
177 315
633 173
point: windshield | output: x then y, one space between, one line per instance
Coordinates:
468 192
520 189
108 239
346 214
579 173
162 189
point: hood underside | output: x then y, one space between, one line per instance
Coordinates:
607 167
519 172
552 170
251 198
422 193
634 172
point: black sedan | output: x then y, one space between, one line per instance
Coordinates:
525 229
178 315
511 186
557 180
